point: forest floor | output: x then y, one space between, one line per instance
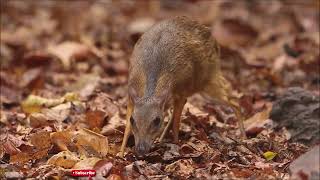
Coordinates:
64 68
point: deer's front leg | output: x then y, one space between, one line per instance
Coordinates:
128 127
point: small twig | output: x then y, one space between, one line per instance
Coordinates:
283 170
230 160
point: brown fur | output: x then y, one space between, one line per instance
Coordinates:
171 61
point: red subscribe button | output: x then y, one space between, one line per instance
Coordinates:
82 173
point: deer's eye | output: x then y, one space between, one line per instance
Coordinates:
132 121
156 122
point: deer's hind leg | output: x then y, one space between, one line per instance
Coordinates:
219 90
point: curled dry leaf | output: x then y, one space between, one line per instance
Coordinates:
87 142
62 139
65 159
91 143
68 51
95 119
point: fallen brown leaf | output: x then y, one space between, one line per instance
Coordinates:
90 143
230 32
41 140
65 159
87 163
85 85
62 139
242 172
182 167
33 79
7 146
37 58
38 120
68 51
9 95
29 155
255 124
95 119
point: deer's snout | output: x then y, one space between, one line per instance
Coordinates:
142 148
